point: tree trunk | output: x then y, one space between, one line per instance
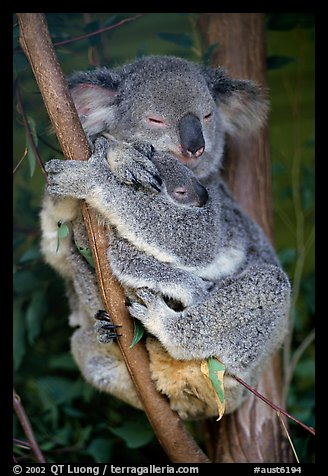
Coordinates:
254 432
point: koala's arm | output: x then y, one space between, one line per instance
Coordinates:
95 180
242 322
135 269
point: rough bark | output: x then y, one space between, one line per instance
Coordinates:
253 433
169 429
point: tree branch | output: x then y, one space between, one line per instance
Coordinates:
169 429
26 425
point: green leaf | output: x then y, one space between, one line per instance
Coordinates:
62 232
87 254
287 256
19 331
62 361
73 412
134 433
35 313
25 282
180 39
208 53
84 435
215 371
277 169
138 332
100 449
33 253
276 61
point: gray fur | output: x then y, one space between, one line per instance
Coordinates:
211 257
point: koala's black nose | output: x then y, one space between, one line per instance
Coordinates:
191 136
201 194
193 194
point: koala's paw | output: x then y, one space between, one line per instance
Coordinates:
150 308
198 293
105 329
64 178
132 166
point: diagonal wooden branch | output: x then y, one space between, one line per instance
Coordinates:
169 429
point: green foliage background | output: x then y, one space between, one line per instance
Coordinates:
72 421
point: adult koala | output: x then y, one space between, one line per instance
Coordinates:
185 110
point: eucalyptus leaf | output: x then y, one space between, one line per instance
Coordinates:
134 433
100 449
213 371
62 232
87 254
31 254
138 332
25 281
216 371
35 313
208 53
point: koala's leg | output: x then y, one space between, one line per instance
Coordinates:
54 212
243 321
184 384
102 366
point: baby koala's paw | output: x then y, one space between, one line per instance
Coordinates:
105 329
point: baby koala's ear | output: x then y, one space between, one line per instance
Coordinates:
243 104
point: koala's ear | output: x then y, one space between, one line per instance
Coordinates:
243 104
94 95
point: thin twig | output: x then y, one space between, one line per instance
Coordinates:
28 130
273 405
93 33
20 161
22 444
97 32
26 425
288 436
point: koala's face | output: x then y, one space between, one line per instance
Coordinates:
173 110
179 107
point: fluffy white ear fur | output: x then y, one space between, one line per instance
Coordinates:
94 106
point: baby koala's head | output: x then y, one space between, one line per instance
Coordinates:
181 184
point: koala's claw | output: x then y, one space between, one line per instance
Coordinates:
150 180
105 329
102 315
